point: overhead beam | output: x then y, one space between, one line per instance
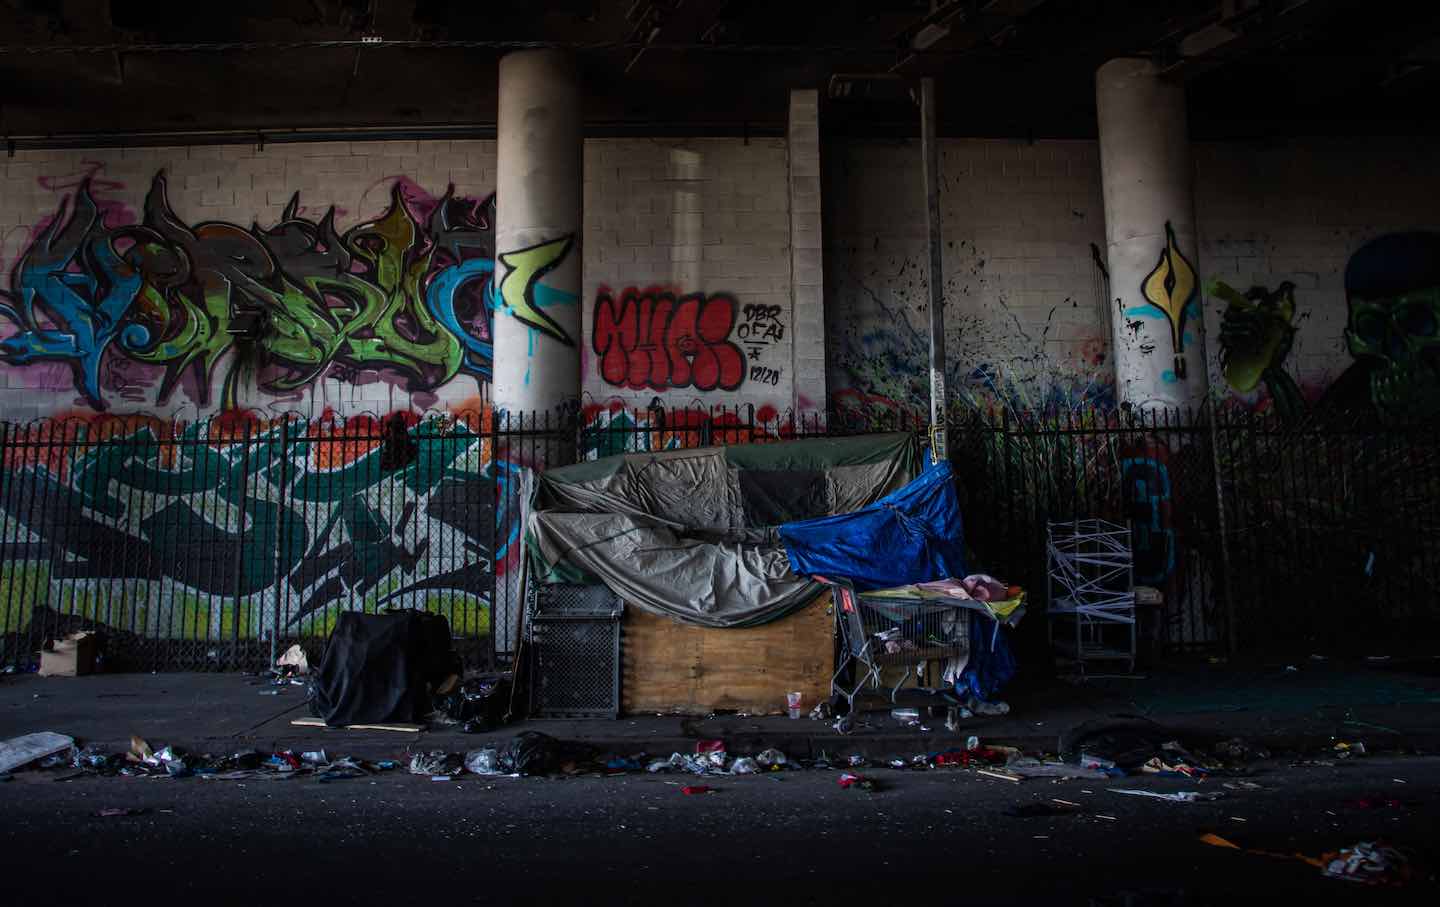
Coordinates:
1241 29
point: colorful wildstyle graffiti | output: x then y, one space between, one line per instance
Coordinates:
208 532
399 298
654 339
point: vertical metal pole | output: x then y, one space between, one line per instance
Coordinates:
281 511
930 154
1227 582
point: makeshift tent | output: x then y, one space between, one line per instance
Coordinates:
691 534
911 536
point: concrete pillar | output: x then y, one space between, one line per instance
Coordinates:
1157 328
807 280
538 192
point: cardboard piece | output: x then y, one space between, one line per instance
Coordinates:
19 751
73 656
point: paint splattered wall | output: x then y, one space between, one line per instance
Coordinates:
1025 318
1281 227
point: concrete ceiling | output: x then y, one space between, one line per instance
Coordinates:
121 70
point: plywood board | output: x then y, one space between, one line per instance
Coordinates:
672 667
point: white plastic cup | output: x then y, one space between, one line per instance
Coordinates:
792 702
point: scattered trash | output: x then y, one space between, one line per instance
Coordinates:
1290 668
483 761
269 692
622 765
821 712
972 743
1344 750
1370 863
907 717
710 746
439 777
1002 776
74 656
293 661
792 704
316 757
771 759
697 789
113 812
435 762
855 760
744 766
849 780
1182 796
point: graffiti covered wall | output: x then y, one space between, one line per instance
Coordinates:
193 286
1314 274
1321 276
234 530
687 277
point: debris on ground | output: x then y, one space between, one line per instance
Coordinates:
1370 863
115 812
850 779
1367 862
293 662
1347 750
697 789
1179 796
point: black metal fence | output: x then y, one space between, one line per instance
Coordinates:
215 544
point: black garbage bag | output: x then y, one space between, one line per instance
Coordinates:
479 701
382 668
530 753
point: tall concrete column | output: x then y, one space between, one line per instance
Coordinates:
538 193
1157 328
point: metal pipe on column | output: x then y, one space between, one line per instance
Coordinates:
930 154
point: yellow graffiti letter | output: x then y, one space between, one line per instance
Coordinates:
517 287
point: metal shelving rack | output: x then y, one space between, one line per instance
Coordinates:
1091 592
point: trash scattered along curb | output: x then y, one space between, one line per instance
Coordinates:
1179 796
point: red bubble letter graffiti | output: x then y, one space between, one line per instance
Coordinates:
654 340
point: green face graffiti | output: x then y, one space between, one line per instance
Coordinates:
1400 335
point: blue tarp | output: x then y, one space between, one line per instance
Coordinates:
912 535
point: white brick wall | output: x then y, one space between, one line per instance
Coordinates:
695 216
806 245
1024 312
1026 316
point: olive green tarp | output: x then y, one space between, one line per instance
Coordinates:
690 534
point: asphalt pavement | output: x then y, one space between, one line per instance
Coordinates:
939 836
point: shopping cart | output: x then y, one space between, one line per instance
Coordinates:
879 631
